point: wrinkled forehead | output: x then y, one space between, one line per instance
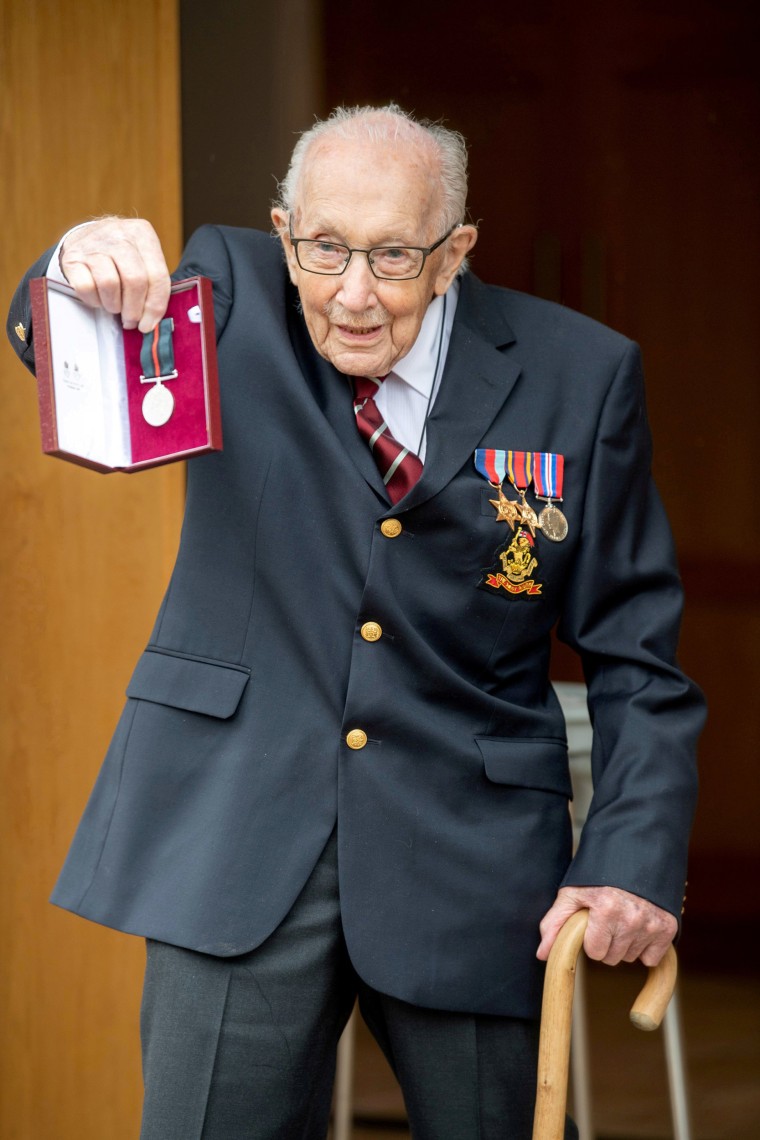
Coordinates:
394 182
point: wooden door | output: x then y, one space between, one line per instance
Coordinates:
90 125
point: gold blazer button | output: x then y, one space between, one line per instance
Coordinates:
356 739
391 528
371 631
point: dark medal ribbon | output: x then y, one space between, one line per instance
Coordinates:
548 476
157 363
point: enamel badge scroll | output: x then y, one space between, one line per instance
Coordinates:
518 564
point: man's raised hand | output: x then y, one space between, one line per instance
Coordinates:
117 264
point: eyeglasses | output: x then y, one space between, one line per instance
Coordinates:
387 262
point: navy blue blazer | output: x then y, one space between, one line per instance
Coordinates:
229 767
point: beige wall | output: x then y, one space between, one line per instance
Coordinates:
90 124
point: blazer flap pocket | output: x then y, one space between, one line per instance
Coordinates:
527 763
191 683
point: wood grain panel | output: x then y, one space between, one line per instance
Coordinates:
89 125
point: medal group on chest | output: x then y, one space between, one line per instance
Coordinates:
545 471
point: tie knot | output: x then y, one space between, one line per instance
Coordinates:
366 386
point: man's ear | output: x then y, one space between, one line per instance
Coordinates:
281 223
457 247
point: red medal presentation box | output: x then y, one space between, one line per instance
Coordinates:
92 391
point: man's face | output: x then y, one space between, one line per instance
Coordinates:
365 194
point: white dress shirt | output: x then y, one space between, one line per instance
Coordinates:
408 392
54 271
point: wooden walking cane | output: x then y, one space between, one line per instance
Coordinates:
554 1043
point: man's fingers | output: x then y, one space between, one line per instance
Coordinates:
155 302
599 943
611 949
100 283
551 924
656 951
118 264
108 282
622 927
625 928
145 279
82 282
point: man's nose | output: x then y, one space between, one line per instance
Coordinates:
357 285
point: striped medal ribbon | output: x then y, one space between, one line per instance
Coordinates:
548 476
491 463
520 473
157 363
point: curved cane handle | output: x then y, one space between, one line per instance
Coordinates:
556 1012
649 1008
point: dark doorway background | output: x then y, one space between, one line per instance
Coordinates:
615 168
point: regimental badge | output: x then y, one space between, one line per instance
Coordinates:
514 567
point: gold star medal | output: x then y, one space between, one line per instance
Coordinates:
519 469
507 510
490 462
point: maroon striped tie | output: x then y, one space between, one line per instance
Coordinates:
399 467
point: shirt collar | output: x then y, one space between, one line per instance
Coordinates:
417 368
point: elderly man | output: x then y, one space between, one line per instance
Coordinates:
341 769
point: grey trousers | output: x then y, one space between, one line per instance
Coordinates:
244 1048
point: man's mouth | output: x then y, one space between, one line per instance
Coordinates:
360 330
358 326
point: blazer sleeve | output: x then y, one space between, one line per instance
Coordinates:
20 312
207 254
622 614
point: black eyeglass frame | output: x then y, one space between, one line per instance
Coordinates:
424 250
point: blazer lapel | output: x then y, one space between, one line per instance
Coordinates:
332 394
477 379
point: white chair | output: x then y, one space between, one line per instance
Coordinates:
572 698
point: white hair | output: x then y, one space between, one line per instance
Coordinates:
388 124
